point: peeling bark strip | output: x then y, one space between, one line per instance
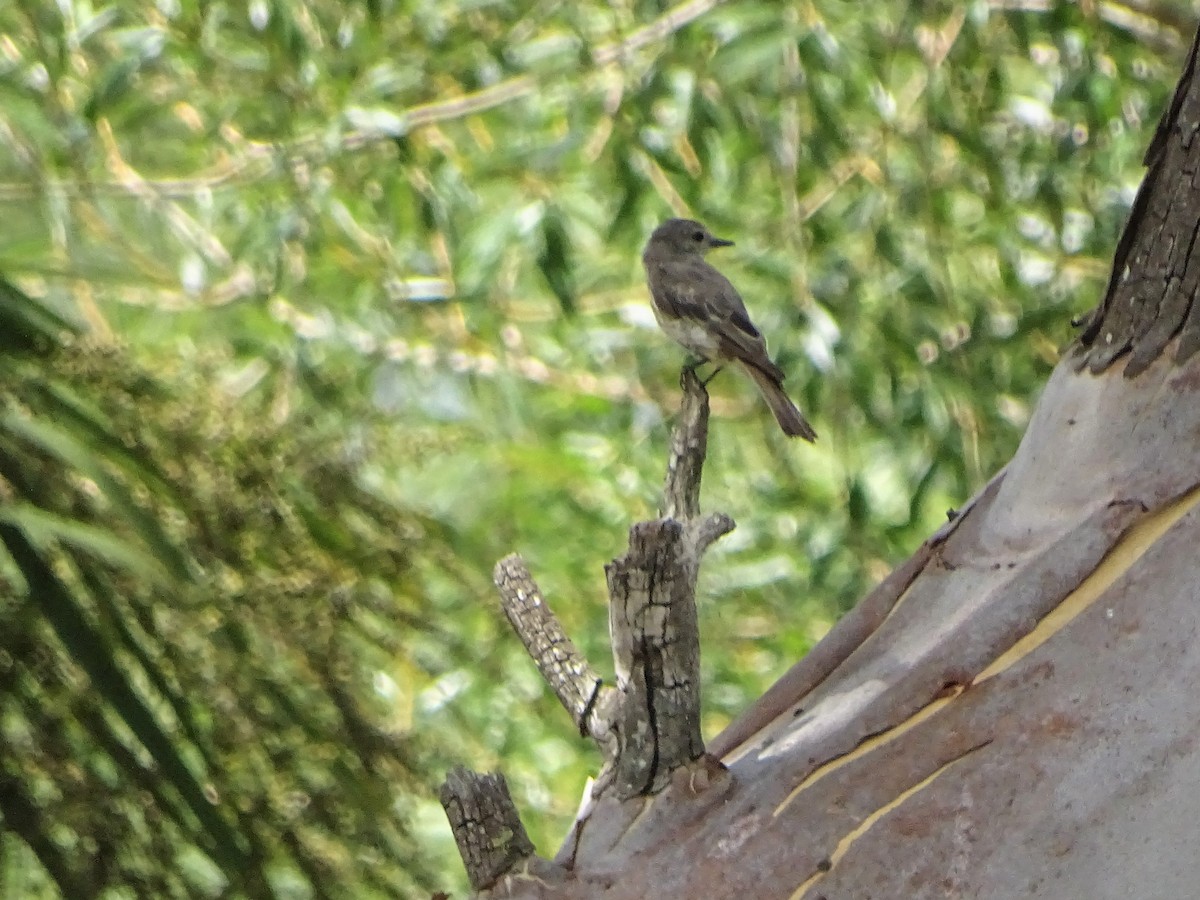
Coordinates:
1151 295
486 825
850 632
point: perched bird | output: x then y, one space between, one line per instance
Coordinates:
698 307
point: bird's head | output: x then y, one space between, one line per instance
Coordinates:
684 236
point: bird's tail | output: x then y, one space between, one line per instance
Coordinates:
785 411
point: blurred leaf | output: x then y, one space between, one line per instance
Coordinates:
555 259
43 528
26 326
64 446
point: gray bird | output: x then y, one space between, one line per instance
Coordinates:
698 307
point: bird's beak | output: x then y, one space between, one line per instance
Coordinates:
721 242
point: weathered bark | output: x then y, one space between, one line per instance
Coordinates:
1013 713
647 725
656 646
486 825
1151 293
564 668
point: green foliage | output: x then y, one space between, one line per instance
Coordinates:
375 267
201 606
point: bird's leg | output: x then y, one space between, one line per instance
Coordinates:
692 365
689 372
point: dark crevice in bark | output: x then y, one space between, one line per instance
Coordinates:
1151 293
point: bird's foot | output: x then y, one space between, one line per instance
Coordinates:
689 370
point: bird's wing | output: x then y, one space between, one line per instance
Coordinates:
738 336
691 289
676 293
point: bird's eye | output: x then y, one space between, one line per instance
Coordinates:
697 236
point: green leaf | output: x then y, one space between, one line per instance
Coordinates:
26 325
555 260
89 650
44 528
65 446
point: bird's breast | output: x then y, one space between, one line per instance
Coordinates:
693 336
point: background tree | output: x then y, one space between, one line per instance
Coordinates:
401 240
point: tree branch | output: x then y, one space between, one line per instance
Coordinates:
486 825
576 684
689 447
656 647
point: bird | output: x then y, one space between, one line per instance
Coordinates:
702 311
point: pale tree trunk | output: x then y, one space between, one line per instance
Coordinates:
1015 712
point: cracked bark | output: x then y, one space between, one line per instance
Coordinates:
486 825
653 622
1151 294
576 684
647 725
